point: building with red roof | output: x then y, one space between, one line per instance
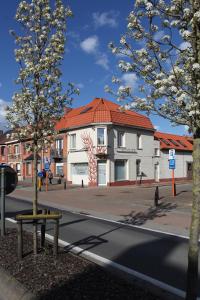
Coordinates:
103 144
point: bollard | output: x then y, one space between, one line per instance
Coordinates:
156 196
65 185
174 189
82 183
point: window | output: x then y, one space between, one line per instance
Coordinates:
59 169
138 167
174 142
100 136
157 152
165 142
121 139
73 141
139 141
16 149
120 170
182 143
28 169
3 148
59 144
80 169
18 168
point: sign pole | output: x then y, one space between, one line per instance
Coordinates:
2 202
46 181
173 184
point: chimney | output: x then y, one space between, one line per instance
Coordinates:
67 110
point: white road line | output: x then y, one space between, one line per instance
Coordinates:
131 225
11 220
106 262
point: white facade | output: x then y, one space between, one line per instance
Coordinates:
132 155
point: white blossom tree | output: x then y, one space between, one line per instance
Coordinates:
162 48
40 99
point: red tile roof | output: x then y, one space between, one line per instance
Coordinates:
102 111
172 141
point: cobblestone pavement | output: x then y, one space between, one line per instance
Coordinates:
132 204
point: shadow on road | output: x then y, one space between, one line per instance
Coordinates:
153 212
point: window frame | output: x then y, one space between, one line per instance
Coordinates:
139 141
73 138
104 136
121 139
125 169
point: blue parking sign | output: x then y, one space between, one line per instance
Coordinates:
172 164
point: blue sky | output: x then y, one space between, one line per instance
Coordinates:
88 62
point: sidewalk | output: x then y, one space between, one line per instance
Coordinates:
133 205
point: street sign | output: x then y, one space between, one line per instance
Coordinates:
40 174
172 164
46 166
11 178
171 154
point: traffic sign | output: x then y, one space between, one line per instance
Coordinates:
11 178
40 174
171 154
172 164
47 166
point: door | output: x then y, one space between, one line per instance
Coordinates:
101 173
156 172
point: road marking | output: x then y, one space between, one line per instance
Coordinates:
131 225
11 220
106 262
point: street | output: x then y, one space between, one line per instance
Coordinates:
160 256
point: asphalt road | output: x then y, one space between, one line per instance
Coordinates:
160 256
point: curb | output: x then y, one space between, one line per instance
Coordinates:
11 289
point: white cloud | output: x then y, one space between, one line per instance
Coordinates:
79 85
103 61
3 105
184 45
130 79
90 45
106 19
186 128
3 121
157 127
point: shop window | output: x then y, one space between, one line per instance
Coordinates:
120 170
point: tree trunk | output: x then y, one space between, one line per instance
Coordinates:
192 272
35 199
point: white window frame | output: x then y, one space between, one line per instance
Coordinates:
104 136
139 141
125 169
121 139
59 144
156 152
18 150
73 138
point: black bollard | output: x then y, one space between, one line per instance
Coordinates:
174 189
156 196
82 183
65 185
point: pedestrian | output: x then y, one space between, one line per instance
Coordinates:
50 176
44 175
